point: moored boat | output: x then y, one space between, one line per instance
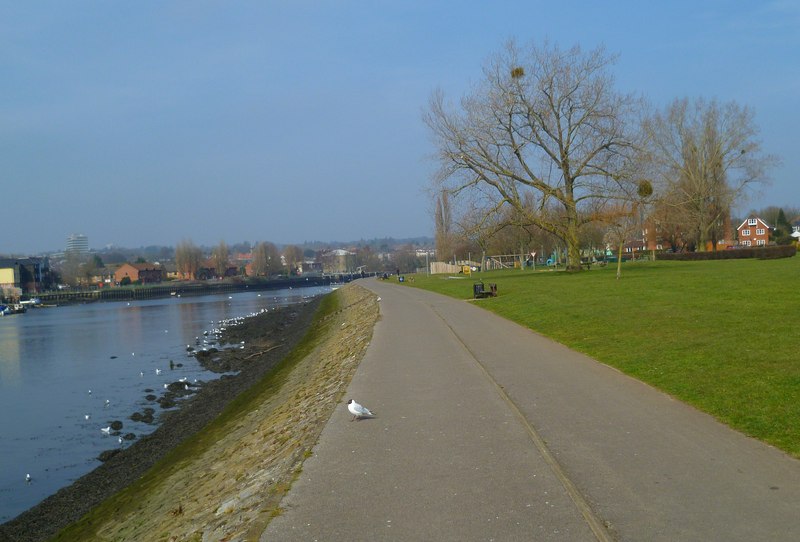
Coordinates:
15 308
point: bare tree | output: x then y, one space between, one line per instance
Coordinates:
266 259
259 262
292 255
707 155
406 259
220 255
669 222
625 219
70 269
544 122
443 221
188 258
368 259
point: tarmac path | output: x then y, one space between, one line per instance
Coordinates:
486 430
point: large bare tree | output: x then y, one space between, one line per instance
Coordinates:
188 258
443 222
292 256
545 122
266 259
707 155
220 255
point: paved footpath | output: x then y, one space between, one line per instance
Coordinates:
488 431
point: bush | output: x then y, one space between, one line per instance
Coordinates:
762 253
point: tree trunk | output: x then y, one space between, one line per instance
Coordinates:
571 237
619 260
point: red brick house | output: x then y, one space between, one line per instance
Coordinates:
146 273
753 232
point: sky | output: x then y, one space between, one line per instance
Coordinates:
152 122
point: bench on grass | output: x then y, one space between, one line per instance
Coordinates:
479 291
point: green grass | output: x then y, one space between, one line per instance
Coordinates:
720 335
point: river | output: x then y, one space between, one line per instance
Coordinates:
67 372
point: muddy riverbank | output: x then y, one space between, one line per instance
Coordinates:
268 338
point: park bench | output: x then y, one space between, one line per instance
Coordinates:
479 291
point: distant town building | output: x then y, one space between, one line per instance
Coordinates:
145 273
77 243
25 275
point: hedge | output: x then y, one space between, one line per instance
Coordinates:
762 253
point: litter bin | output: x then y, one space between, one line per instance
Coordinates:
477 290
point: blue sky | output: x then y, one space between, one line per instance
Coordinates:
141 123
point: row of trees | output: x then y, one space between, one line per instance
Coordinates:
546 149
266 258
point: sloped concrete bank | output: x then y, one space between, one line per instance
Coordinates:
196 479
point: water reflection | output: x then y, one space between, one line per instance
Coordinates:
9 351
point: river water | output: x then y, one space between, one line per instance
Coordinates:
60 365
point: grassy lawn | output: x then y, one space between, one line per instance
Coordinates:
720 335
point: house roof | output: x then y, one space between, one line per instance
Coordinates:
750 218
11 262
146 266
143 266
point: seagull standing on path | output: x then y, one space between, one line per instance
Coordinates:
358 411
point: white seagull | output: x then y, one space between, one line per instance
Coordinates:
358 411
106 430
28 478
87 416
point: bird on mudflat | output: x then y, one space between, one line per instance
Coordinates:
106 430
28 478
358 411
